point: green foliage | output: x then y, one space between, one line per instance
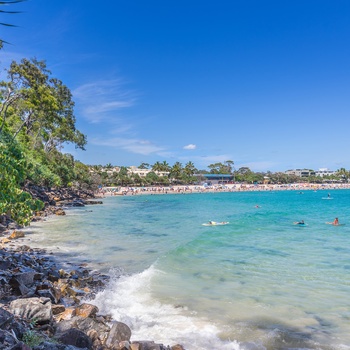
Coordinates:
36 120
42 107
176 172
144 166
37 111
190 169
83 175
221 168
41 175
164 166
14 202
152 177
32 338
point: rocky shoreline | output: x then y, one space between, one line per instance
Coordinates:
42 305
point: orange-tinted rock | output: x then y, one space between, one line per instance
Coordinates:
5 240
86 310
177 347
16 234
135 346
59 212
67 314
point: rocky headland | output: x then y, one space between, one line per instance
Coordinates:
46 306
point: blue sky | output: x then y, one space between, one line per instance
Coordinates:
263 83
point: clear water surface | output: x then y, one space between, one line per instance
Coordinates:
259 282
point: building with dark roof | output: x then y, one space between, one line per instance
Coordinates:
215 178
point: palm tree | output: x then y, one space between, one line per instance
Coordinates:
165 166
157 166
176 171
4 3
190 169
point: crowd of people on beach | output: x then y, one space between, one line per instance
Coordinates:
184 189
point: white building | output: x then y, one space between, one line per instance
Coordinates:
143 172
324 172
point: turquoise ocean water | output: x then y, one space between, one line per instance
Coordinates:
259 282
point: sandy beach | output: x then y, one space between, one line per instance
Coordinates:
186 189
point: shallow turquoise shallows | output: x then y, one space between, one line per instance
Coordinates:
259 282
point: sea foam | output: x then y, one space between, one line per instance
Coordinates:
129 300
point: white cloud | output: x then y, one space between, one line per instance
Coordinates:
191 146
107 107
137 146
97 101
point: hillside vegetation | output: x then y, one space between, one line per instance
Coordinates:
36 120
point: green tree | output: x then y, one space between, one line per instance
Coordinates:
189 169
221 168
137 179
14 202
83 176
41 107
229 166
144 166
157 166
343 174
123 176
176 171
152 178
164 166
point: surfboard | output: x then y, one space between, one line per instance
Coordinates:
216 223
331 223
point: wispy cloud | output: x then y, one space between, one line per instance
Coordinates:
98 100
137 146
191 146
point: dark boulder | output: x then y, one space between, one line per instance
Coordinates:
7 340
20 346
55 346
6 318
76 338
